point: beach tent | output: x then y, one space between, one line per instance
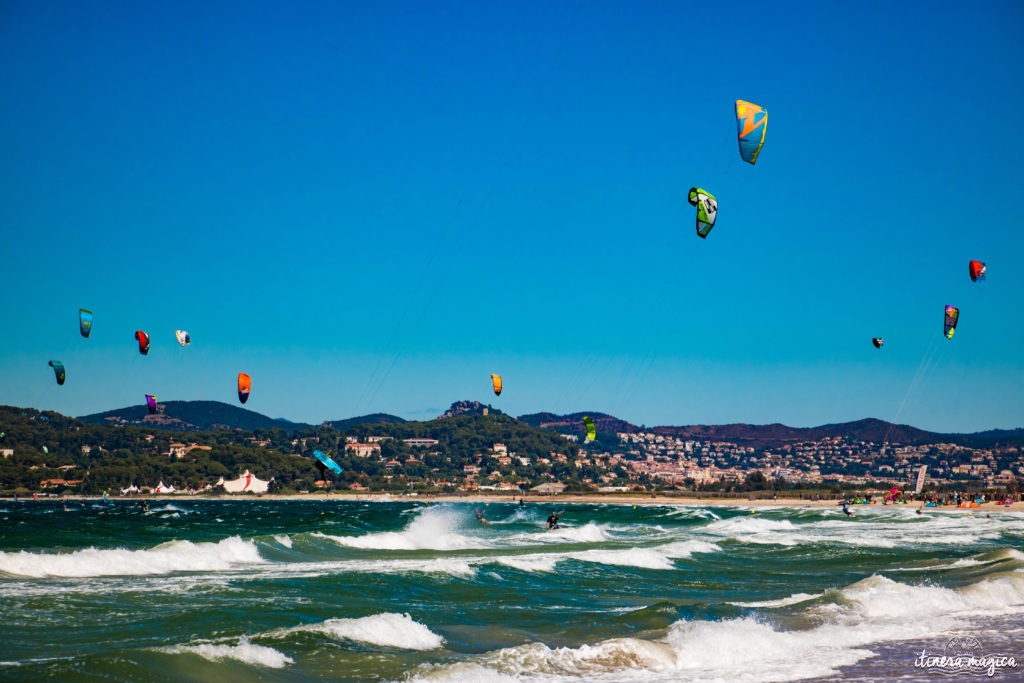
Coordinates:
160 488
247 482
130 490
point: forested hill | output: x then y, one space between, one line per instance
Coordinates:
191 416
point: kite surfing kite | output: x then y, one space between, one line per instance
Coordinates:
496 380
244 385
58 370
877 341
707 209
143 338
151 403
751 125
84 322
591 430
325 462
183 337
977 269
3 435
949 327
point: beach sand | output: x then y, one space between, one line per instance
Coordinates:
611 499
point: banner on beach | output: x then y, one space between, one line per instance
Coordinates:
920 479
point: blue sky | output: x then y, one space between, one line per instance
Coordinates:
373 206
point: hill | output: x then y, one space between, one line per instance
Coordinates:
371 419
776 434
191 416
573 423
470 408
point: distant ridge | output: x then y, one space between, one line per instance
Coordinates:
373 418
191 416
573 423
771 435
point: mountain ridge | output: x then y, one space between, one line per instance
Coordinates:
207 415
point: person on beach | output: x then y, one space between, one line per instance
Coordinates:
553 520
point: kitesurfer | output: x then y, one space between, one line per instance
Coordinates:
847 510
521 503
553 520
479 516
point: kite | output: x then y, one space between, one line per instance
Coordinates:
151 403
143 342
84 322
325 461
707 209
751 125
244 385
183 337
496 380
591 430
58 370
949 327
977 269
877 341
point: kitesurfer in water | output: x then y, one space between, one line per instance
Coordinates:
847 510
553 520
479 516
521 503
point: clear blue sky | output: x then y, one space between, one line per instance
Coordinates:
373 206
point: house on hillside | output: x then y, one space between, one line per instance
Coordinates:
551 487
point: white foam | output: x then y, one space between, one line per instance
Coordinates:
529 563
174 556
387 630
244 651
873 610
432 529
645 558
588 533
284 540
794 599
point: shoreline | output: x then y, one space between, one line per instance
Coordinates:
610 499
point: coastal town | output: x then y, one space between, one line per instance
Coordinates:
473 453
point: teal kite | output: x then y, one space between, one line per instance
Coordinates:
84 322
58 370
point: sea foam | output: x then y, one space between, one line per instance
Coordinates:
386 630
175 556
244 651
432 529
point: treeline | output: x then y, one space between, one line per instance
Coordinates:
105 457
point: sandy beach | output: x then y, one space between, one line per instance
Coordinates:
560 499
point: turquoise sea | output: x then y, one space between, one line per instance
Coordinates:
394 590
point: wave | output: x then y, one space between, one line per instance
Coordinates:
841 633
175 556
284 540
654 557
432 529
386 630
588 533
244 651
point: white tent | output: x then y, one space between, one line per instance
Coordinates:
245 483
163 489
130 490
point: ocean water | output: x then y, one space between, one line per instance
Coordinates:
231 591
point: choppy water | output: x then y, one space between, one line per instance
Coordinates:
225 591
